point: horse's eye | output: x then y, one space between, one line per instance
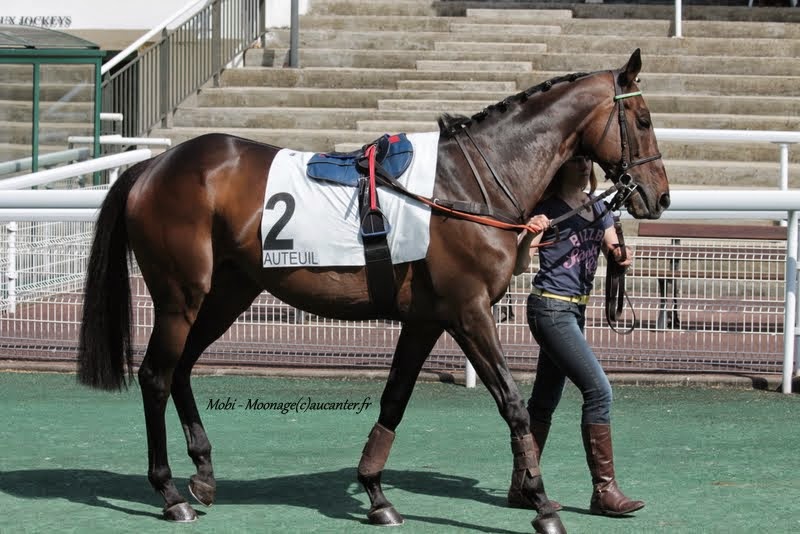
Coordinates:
643 122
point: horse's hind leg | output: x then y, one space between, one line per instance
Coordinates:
170 328
476 334
413 347
231 294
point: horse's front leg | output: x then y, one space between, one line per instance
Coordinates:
476 333
413 347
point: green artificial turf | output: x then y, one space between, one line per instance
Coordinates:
704 460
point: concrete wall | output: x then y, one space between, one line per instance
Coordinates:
100 15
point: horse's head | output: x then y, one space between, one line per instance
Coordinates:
620 138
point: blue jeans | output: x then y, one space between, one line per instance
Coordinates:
557 327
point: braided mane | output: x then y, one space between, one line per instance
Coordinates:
449 123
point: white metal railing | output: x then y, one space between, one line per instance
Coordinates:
72 205
113 161
747 204
782 139
679 15
45 160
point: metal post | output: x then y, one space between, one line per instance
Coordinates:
163 78
216 41
35 117
784 159
678 17
469 374
11 272
790 310
262 23
294 37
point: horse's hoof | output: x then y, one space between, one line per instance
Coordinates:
386 516
180 513
203 492
548 525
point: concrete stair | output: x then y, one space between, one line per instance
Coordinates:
374 67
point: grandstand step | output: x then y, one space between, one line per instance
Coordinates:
12 151
394 59
51 133
448 66
457 85
731 152
473 46
646 28
653 82
561 43
292 117
377 23
726 121
518 16
386 8
51 92
686 46
741 31
660 120
657 103
509 60
387 40
503 29
21 111
400 125
728 173
314 97
775 66
49 74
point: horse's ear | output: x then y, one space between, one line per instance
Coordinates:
631 69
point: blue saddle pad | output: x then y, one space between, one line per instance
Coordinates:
394 153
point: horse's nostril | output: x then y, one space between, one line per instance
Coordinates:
664 200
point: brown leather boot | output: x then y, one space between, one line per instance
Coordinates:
607 498
517 500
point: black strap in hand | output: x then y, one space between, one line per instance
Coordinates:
615 283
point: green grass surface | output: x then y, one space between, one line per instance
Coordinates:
704 460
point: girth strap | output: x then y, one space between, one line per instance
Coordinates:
374 231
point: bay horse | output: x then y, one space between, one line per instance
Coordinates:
191 217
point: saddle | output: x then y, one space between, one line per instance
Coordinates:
393 154
389 157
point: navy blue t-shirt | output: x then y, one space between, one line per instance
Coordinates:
567 267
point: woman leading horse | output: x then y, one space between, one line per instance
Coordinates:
191 217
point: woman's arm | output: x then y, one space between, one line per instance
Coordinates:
611 242
526 240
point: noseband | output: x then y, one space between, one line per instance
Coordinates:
621 177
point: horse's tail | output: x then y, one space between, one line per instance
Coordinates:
105 338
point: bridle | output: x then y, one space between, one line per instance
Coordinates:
621 175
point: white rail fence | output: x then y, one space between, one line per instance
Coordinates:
80 207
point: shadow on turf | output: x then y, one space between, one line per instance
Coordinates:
331 493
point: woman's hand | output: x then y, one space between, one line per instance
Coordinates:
616 252
524 241
540 221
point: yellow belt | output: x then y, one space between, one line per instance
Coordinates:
581 299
